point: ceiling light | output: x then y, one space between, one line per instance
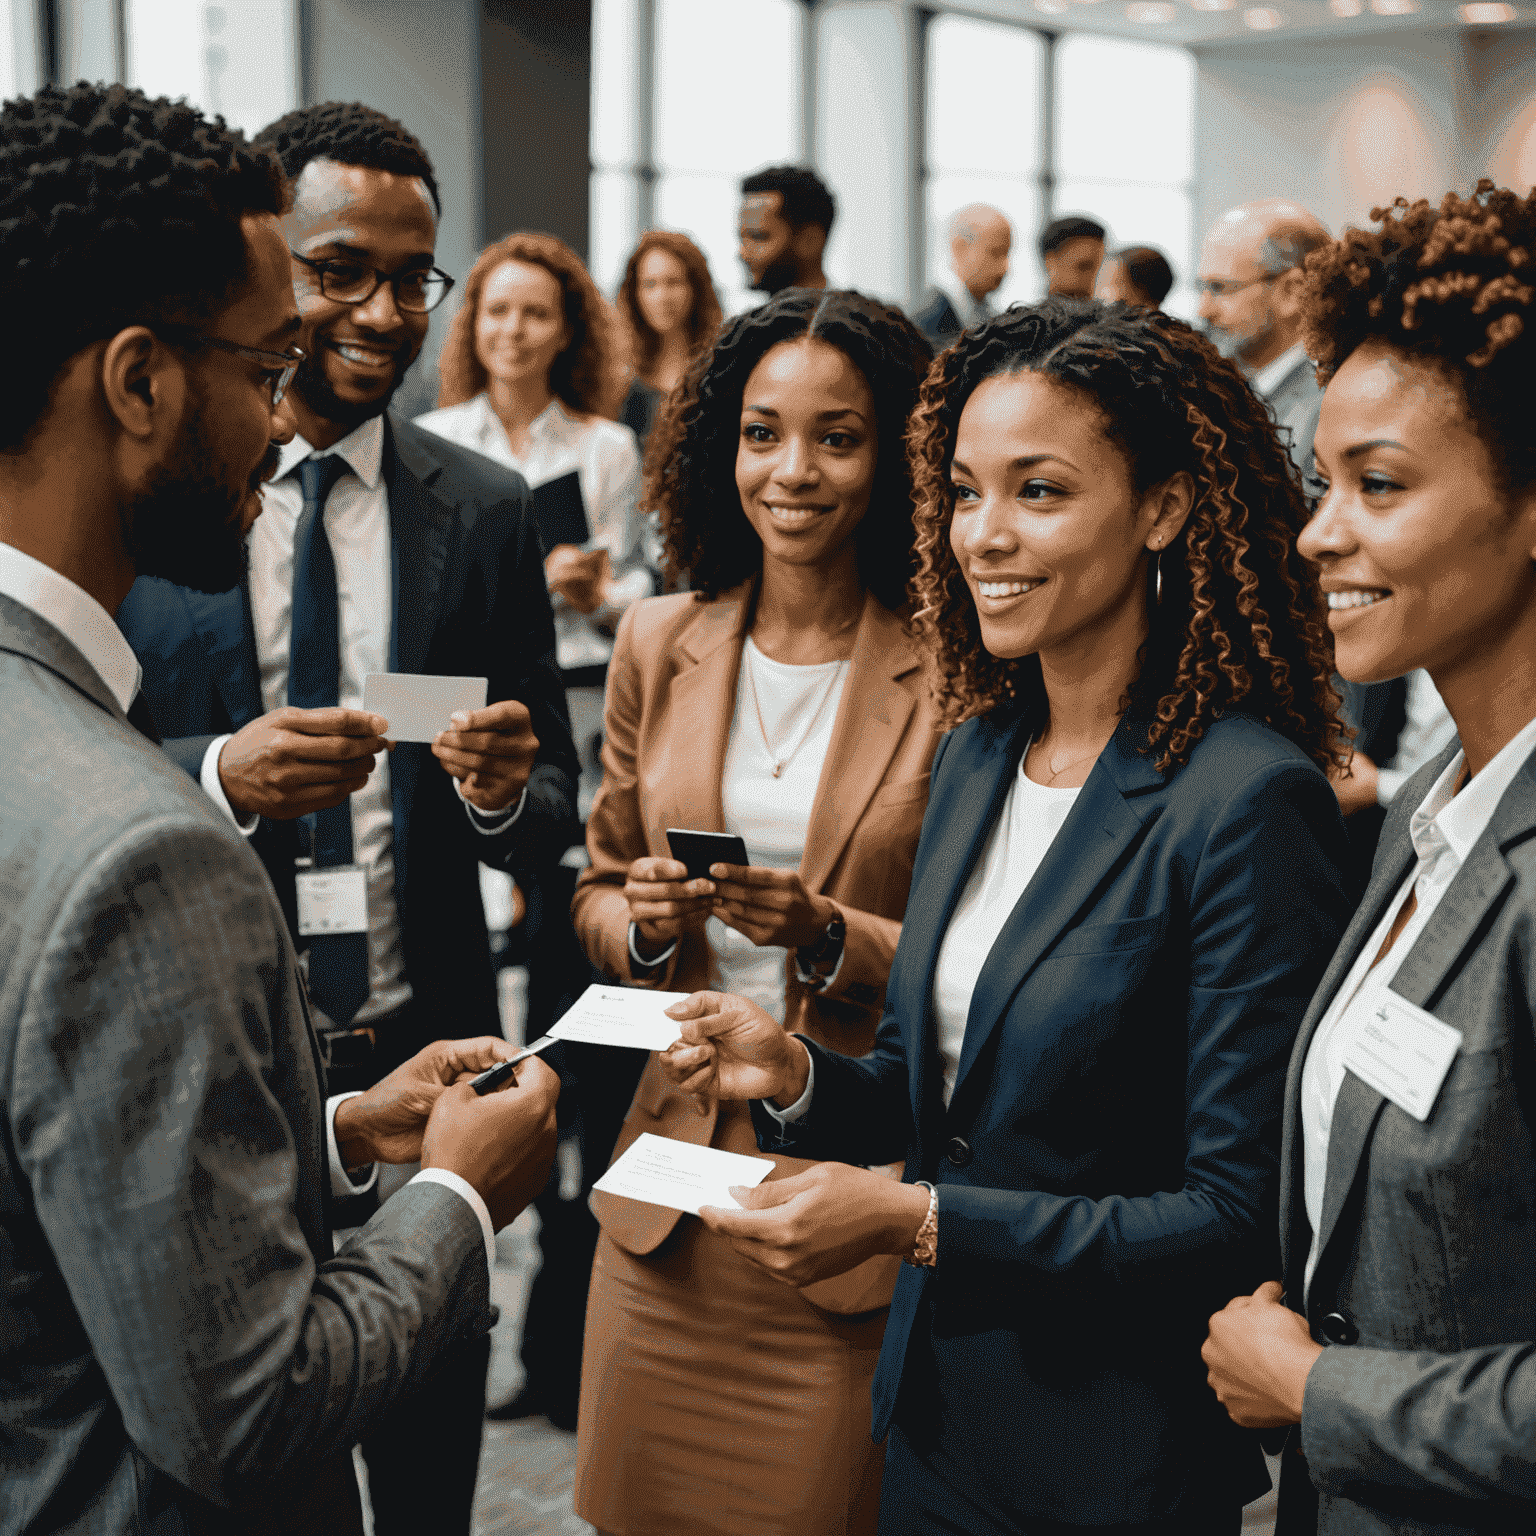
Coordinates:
1486 15
1262 19
1394 7
1150 12
1212 5
1053 7
1346 7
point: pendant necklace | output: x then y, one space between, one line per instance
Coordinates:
779 764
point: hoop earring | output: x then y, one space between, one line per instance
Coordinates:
1157 574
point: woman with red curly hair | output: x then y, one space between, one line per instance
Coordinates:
1401 1341
668 305
1129 876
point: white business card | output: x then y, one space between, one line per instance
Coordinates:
416 707
629 1016
681 1176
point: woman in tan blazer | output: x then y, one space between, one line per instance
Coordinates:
780 699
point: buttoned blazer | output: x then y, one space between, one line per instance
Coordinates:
1427 1422
469 599
180 1350
1108 1163
671 699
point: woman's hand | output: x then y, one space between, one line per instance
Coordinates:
1257 1358
664 903
821 1222
581 577
770 906
731 1049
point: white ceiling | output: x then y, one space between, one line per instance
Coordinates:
1192 28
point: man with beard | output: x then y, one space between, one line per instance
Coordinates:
383 548
180 1351
786 216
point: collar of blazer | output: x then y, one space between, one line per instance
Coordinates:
1117 804
1437 957
879 697
29 634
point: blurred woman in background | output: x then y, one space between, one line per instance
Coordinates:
668 305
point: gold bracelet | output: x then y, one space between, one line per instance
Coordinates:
925 1251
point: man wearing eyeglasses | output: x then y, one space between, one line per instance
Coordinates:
381 549
1250 300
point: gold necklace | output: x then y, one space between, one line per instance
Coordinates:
1056 772
781 763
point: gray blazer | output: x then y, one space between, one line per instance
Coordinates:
1296 401
179 1349
1421 1413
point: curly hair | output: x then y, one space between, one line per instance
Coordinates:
116 209
703 312
350 134
589 376
1240 622
1450 286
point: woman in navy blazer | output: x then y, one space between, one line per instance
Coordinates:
1129 878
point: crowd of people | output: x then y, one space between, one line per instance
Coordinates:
1130 728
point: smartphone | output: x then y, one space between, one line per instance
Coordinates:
698 850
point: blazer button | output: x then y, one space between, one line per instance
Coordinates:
1338 1329
958 1151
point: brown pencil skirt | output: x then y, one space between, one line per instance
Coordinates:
715 1399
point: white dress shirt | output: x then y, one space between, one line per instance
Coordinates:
1443 830
607 464
1272 375
1426 733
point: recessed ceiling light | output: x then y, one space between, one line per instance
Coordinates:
1053 7
1263 19
1486 15
1394 7
1150 12
1346 7
1212 5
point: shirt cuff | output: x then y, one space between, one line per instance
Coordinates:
801 1107
342 1185
462 1186
214 788
639 960
1388 782
489 823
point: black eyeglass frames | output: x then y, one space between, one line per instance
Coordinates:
283 365
418 289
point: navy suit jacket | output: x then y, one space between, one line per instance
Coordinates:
469 600
937 319
1107 1166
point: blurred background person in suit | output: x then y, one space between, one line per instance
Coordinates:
1400 1338
181 1348
668 305
1139 274
532 373
1072 249
980 240
786 216
780 700
1129 877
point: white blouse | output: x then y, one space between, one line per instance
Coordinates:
607 464
1031 817
770 815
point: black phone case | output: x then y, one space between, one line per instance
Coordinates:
698 850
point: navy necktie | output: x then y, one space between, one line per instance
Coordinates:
338 962
140 718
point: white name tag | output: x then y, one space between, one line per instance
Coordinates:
1403 1052
333 900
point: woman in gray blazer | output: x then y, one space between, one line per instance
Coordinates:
1404 1343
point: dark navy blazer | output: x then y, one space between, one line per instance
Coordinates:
1107 1167
469 599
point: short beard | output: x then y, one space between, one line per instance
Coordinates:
777 275
186 526
312 387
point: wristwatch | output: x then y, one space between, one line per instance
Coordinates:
816 962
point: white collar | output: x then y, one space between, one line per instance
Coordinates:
554 421
1458 821
1273 374
77 616
362 449
969 310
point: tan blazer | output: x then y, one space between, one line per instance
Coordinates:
671 697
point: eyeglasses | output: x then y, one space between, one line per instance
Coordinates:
1222 288
283 365
351 282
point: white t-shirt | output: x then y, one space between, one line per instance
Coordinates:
770 815
1027 825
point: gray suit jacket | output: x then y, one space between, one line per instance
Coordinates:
179 1349
1428 1240
1296 400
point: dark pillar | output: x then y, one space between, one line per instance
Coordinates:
535 108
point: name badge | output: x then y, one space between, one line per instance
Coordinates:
333 900
1403 1052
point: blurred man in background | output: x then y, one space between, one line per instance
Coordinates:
980 242
1072 249
1138 275
786 216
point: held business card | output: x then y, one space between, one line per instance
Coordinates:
417 708
631 1016
681 1176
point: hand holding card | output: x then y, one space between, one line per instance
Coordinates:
420 708
491 752
681 1176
